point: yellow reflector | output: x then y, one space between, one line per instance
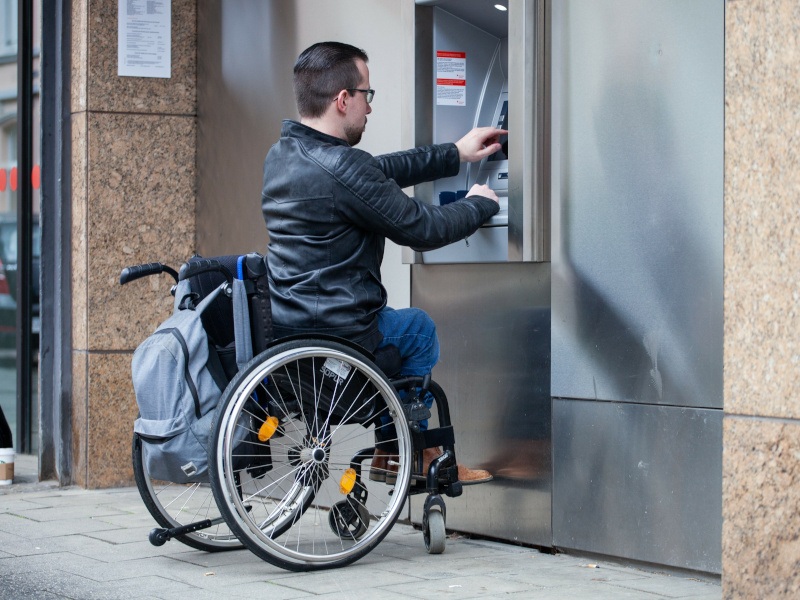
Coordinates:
267 429
348 481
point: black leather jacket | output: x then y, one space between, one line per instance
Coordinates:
329 206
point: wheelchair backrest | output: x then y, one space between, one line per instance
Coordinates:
218 318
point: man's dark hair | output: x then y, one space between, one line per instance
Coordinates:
321 72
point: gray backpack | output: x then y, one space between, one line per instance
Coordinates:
178 380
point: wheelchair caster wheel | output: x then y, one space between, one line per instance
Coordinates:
348 519
433 531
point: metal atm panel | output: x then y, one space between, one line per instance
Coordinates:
499 88
637 155
493 322
488 295
638 481
638 187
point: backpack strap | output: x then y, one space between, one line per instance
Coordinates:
182 288
206 302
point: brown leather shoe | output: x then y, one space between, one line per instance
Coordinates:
384 467
466 475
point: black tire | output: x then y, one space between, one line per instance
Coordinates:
329 400
173 505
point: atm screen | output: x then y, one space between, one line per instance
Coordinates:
502 123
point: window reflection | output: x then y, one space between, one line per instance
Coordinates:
23 410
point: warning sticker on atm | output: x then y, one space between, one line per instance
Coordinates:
451 78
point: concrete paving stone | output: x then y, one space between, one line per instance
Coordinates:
17 545
670 586
597 591
405 534
47 563
411 545
76 587
27 484
198 594
405 562
117 534
153 587
25 585
443 566
464 586
342 580
214 578
549 576
57 497
389 551
374 594
210 560
46 514
103 550
11 542
272 590
492 546
20 525
17 503
160 566
130 518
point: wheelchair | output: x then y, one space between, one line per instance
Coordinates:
292 469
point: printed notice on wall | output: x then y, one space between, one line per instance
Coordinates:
144 38
451 78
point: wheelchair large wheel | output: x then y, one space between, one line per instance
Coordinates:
315 408
173 505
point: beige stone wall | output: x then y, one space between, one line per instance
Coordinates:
761 457
133 201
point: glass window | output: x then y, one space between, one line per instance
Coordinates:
8 27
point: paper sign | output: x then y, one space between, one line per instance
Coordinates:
144 38
451 78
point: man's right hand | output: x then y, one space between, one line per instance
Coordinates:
483 190
479 143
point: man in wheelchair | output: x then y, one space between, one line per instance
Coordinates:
329 207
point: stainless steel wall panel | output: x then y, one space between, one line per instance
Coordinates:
639 482
637 115
493 323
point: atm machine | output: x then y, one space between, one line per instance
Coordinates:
490 293
465 76
581 346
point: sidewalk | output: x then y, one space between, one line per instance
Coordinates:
80 544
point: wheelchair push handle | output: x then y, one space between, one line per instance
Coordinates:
255 265
138 271
205 265
249 266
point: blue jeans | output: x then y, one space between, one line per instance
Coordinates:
414 334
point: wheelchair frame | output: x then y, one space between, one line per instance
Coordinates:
290 438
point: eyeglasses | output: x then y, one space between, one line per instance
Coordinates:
368 94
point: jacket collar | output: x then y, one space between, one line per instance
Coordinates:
295 129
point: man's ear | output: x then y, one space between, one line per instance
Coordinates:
342 101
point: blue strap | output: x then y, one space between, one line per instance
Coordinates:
239 267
